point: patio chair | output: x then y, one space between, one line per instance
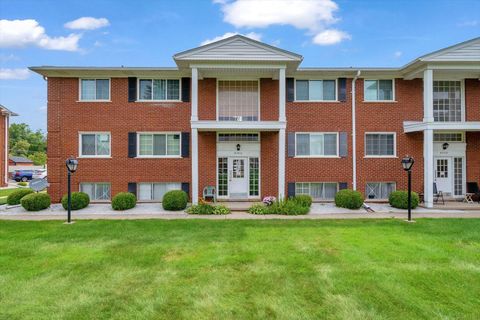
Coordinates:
209 192
473 191
437 194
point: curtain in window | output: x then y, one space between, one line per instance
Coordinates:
303 144
103 89
103 144
159 89
173 144
315 89
385 90
159 145
370 90
173 89
88 89
146 89
329 90
302 90
88 144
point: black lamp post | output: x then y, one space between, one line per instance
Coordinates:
407 163
72 165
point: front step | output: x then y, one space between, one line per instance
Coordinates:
238 206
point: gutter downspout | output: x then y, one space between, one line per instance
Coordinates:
7 124
354 132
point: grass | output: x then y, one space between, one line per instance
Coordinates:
200 269
6 192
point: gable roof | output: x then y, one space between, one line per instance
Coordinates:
5 110
464 51
238 48
20 159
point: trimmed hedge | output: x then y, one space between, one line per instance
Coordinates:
399 199
124 201
23 183
36 201
349 199
175 200
80 200
15 197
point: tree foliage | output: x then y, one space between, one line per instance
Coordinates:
25 142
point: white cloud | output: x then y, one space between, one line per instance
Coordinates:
87 23
315 16
14 74
251 35
397 54
22 33
9 57
330 36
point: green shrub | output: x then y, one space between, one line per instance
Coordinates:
124 201
15 197
349 199
80 200
281 206
399 199
258 208
35 201
221 209
175 200
293 208
304 200
202 208
23 183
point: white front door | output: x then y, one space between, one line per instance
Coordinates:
238 178
444 174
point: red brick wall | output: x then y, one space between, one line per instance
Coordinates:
207 160
268 100
3 147
472 100
473 157
269 164
66 117
207 99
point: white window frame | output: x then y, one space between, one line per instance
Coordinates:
379 156
377 199
80 151
160 156
95 100
152 186
322 182
238 79
462 133
317 156
378 79
165 100
462 94
314 79
95 187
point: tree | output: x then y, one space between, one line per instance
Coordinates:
20 148
38 158
24 142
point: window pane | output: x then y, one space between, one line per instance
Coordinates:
146 144
173 89
385 91
88 144
102 191
329 90
145 191
103 144
159 89
103 89
173 145
371 90
303 144
379 144
87 188
88 89
302 90
145 90
159 145
330 190
238 100
316 144
315 89
330 141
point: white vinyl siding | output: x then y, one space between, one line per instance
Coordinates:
94 89
95 144
317 190
158 89
159 145
156 191
316 144
380 145
315 90
97 191
379 90
379 190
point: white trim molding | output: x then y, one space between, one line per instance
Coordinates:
207 125
80 150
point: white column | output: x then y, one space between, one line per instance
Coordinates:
194 166
194 94
281 94
281 163
428 95
428 167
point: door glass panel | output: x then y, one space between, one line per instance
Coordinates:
442 168
238 168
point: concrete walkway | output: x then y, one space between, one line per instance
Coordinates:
155 211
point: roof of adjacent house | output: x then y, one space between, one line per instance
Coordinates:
20 159
5 110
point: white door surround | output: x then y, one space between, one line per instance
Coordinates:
445 171
443 174
238 173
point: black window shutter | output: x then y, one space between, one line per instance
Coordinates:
132 89
343 144
185 144
291 144
186 89
342 89
290 83
132 188
342 185
132 144
291 189
186 188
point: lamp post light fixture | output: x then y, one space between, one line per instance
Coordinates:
407 164
72 165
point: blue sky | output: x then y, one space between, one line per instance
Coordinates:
327 33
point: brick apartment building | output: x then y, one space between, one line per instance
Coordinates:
5 115
242 116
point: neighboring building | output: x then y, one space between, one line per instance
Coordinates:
19 161
5 115
241 115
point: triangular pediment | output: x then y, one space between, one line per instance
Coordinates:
237 48
465 51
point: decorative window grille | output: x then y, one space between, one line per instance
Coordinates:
96 191
379 190
254 175
317 190
447 101
238 100
223 177
238 137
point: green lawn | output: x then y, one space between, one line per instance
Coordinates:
6 192
200 269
